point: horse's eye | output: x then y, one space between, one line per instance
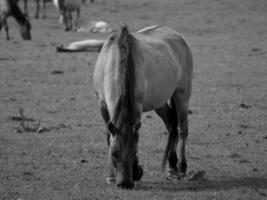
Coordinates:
115 154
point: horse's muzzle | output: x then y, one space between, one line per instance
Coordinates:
125 184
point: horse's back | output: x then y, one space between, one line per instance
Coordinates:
167 67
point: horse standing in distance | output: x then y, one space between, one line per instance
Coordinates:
11 8
37 8
139 72
66 7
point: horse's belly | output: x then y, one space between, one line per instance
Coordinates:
70 5
159 87
73 5
154 103
160 73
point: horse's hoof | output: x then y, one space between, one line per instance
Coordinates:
110 180
174 175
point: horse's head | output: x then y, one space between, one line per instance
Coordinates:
123 149
25 30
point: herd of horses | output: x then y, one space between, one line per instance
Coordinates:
11 8
135 73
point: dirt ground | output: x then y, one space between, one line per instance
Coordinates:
67 158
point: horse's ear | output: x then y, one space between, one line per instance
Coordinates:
112 129
136 127
124 33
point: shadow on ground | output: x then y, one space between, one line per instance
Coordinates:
211 185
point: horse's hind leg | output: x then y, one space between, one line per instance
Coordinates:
44 9
169 117
105 115
181 104
6 28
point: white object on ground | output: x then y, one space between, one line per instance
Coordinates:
96 27
84 45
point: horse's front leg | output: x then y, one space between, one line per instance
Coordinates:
44 9
111 174
105 115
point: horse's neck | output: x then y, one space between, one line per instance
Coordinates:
16 12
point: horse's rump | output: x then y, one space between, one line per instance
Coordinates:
165 65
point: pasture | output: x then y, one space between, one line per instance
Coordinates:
66 157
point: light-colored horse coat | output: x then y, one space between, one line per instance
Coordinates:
161 81
162 52
66 7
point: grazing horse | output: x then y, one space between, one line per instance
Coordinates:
11 8
138 72
37 8
66 7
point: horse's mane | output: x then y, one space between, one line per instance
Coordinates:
125 109
17 13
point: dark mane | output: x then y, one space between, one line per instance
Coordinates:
17 13
125 109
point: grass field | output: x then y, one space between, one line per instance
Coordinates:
68 161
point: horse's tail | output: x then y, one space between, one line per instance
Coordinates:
173 136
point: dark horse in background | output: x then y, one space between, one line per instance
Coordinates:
38 5
11 8
38 2
138 72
